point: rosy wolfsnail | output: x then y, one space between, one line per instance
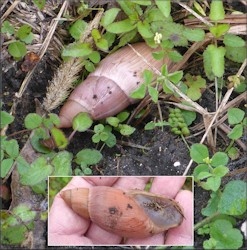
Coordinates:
106 91
132 213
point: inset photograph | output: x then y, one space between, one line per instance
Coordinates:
133 210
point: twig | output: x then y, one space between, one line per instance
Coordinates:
42 50
9 10
195 14
241 69
224 101
133 145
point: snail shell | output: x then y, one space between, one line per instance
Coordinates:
134 213
106 91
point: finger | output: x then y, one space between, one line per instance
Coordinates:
183 235
101 181
62 219
157 239
131 182
68 240
167 185
101 237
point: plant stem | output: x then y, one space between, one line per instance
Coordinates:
230 145
185 142
206 221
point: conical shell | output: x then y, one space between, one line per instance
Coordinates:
133 214
106 91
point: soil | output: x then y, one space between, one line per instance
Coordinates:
166 154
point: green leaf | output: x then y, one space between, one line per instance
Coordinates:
13 235
24 213
88 156
87 171
7 28
219 158
203 175
17 49
23 31
53 119
217 59
5 119
175 56
98 128
176 76
111 141
233 153
236 132
142 2
147 76
28 39
82 122
109 37
109 16
199 8
6 165
235 115
158 55
12 148
233 40
212 205
233 200
77 50
189 116
164 7
126 129
77 29
102 44
212 183
139 93
39 134
59 137
127 37
225 235
198 152
220 171
121 26
217 11
89 66
194 35
154 93
150 125
219 30
94 57
200 168
207 64
123 116
144 29
236 54
62 164
40 3
32 120
39 171
113 121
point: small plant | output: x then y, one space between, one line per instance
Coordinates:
17 47
209 169
222 205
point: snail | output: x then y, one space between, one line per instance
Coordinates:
133 213
106 91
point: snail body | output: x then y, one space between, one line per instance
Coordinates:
132 213
106 91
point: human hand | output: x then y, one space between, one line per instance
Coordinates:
67 228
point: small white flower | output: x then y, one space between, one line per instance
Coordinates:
157 38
